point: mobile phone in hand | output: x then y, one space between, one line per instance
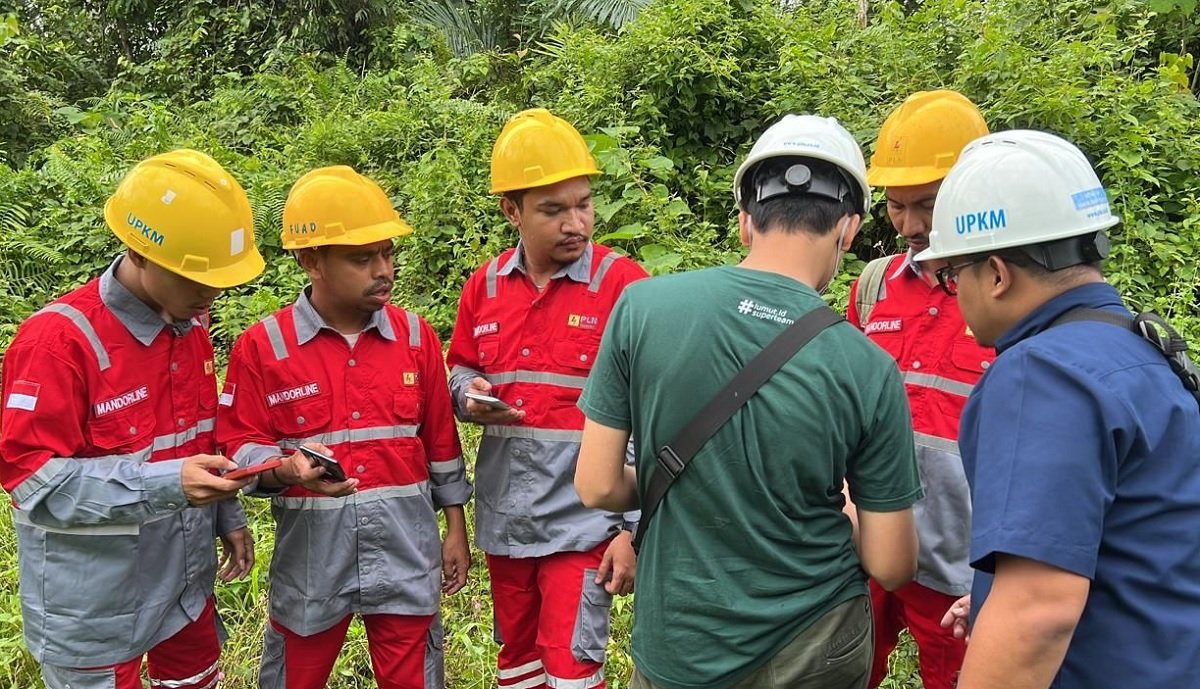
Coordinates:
493 402
333 470
252 470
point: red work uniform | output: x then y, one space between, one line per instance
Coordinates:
102 401
383 408
921 327
543 545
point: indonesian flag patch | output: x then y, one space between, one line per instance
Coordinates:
226 399
23 395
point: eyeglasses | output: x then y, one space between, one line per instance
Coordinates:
947 276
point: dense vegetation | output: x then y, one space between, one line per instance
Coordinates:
413 94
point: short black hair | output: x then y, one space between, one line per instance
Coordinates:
517 196
798 213
815 212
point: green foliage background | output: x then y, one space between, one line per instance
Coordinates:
670 103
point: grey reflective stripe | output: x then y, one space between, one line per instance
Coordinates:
559 379
353 435
447 467
492 269
37 480
511 672
359 498
174 440
605 263
926 380
186 682
583 683
414 330
533 433
73 314
21 518
936 443
275 335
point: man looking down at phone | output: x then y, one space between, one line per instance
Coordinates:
344 373
748 576
107 445
528 328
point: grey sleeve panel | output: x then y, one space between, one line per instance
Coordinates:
448 483
460 380
229 516
103 490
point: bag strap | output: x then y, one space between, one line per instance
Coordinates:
674 458
869 283
1155 330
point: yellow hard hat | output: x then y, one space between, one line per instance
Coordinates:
920 141
182 211
337 206
537 149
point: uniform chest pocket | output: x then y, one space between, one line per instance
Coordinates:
967 355
488 349
406 404
301 419
127 430
578 353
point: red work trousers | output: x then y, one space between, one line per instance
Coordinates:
187 660
397 644
552 619
920 609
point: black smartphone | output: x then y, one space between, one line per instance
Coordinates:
333 470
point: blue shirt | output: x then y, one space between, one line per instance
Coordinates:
1082 450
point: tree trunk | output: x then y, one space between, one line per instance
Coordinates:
862 12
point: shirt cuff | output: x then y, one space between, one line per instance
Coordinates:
451 494
162 486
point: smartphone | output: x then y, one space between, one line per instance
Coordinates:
493 402
333 470
252 470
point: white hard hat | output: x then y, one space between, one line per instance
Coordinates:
1016 188
809 136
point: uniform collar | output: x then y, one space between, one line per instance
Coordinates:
580 270
909 263
309 322
139 319
1096 295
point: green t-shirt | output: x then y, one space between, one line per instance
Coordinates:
750 546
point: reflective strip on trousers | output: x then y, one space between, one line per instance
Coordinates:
81 322
359 498
352 435
583 683
532 433
188 681
539 377
927 380
520 670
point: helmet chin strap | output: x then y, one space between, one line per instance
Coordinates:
838 254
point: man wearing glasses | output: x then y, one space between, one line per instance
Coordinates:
897 303
1080 443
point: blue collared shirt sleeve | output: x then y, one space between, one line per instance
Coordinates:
1043 444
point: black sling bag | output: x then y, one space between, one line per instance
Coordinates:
674 458
1152 328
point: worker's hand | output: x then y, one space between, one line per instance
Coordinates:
456 562
300 470
618 566
202 485
237 554
482 414
957 618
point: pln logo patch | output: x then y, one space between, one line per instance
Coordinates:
487 328
583 321
410 378
209 368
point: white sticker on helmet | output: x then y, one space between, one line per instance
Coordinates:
237 241
168 197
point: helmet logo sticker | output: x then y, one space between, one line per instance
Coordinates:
981 221
168 197
149 233
1095 201
237 241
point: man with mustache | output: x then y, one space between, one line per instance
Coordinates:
898 304
108 449
343 371
529 325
